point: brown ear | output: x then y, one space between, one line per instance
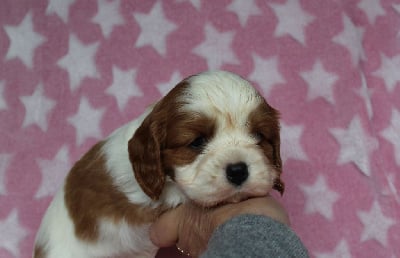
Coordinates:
145 156
279 185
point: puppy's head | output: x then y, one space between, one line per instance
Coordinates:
214 136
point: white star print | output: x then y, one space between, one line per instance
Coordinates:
37 108
86 121
391 189
320 83
244 9
124 86
60 7
392 134
5 159
53 173
389 71
396 7
79 61
3 103
108 16
355 145
19 36
366 94
376 224
195 3
155 28
266 73
351 38
292 20
290 142
216 48
320 198
164 88
341 251
372 8
12 233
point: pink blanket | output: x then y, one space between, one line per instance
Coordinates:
71 71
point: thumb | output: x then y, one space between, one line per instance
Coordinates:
164 231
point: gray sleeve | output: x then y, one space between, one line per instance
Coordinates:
254 236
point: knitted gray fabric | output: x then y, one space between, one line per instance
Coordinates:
254 236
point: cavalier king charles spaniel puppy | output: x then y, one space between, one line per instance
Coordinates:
211 140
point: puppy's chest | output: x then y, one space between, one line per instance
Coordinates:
128 239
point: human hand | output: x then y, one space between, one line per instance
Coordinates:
190 226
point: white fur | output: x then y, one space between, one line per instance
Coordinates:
213 94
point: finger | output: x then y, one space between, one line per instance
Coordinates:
164 231
270 207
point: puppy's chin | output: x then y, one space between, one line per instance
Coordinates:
235 198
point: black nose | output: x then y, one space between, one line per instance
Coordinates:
237 173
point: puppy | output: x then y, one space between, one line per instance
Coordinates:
212 139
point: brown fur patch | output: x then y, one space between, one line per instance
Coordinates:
91 195
178 151
161 142
264 121
149 139
39 252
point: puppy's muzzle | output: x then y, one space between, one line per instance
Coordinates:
237 173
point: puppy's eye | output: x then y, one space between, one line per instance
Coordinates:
259 137
198 143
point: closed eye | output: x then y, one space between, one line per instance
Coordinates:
259 137
198 143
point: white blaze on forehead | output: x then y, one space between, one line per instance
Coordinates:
220 92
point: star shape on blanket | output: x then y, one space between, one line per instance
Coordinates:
37 108
396 7
155 28
389 71
266 73
392 134
376 224
3 103
165 87
87 121
19 35
79 62
366 94
341 250
290 142
372 8
53 172
12 233
5 159
216 48
320 198
60 7
355 145
391 189
108 16
351 38
292 20
320 82
244 9
124 86
195 3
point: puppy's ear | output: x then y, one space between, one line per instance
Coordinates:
279 185
265 121
145 156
